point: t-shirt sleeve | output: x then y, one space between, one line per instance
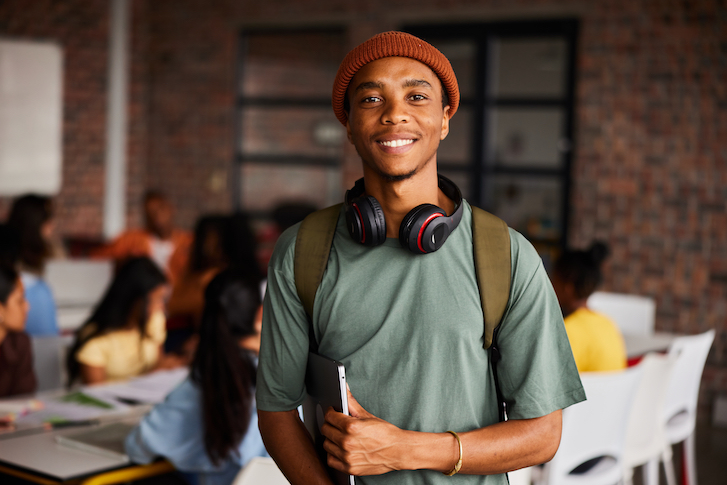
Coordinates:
537 373
284 345
94 353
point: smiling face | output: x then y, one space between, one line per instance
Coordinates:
396 118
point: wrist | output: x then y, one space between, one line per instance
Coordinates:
430 451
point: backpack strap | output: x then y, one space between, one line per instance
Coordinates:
491 239
312 248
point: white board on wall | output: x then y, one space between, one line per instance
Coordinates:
31 117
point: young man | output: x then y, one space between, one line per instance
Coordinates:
159 240
409 327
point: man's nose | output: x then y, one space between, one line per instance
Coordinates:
395 112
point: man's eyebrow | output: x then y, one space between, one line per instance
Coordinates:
412 83
369 85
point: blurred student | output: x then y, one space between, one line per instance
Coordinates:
159 240
207 427
124 335
16 353
596 341
220 242
31 217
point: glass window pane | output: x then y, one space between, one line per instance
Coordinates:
264 186
527 137
529 67
462 55
457 147
530 205
286 131
292 64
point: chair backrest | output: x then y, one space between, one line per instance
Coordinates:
77 285
596 428
646 436
260 471
49 354
633 314
683 391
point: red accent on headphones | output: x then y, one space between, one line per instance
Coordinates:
424 226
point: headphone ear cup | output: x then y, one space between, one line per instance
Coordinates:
366 222
419 231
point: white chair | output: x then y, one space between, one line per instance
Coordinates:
523 476
646 442
260 471
633 314
595 429
680 409
77 285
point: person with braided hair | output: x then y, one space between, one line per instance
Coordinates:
596 341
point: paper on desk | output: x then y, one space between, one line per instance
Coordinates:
148 389
55 409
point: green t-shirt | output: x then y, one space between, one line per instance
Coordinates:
409 329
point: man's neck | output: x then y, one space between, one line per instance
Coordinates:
398 198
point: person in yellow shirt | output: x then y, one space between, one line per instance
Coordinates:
595 339
123 338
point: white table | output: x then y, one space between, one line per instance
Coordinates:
638 345
33 451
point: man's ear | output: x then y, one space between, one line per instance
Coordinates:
445 123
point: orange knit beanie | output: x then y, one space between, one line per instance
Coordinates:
393 44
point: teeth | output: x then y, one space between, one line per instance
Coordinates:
396 143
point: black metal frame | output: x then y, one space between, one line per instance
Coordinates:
482 103
242 102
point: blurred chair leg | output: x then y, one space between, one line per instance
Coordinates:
690 460
628 478
666 458
651 472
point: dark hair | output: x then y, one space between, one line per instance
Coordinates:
237 244
225 373
9 246
582 268
8 282
199 260
127 294
27 216
154 194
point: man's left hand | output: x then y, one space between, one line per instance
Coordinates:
362 444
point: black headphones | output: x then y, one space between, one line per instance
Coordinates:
423 230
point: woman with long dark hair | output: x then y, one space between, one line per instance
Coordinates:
31 218
16 354
124 335
207 427
596 341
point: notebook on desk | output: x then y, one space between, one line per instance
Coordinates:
107 440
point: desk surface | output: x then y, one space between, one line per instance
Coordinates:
40 454
638 345
33 449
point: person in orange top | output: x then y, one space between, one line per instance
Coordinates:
159 240
595 340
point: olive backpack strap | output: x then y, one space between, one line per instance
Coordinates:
491 239
312 248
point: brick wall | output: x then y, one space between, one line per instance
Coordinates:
81 27
650 165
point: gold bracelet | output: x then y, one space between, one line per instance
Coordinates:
458 465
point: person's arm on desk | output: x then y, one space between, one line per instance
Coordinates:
290 445
92 375
362 444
